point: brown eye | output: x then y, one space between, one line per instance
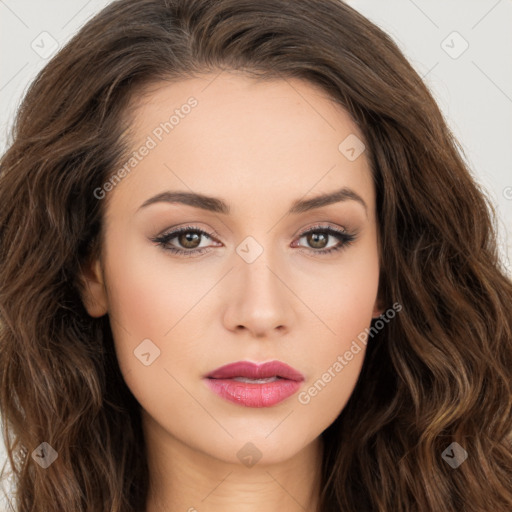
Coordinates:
317 239
189 239
185 241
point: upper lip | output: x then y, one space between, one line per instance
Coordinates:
256 371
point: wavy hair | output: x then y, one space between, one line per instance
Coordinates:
440 372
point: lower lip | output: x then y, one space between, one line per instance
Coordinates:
253 395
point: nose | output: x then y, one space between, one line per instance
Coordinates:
260 300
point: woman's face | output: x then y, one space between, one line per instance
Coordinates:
249 284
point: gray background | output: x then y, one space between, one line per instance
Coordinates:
462 48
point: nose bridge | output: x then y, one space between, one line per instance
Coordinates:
260 301
259 265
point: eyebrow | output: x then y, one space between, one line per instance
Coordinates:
214 204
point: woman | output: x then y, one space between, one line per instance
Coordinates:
243 265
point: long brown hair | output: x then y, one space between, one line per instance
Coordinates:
439 373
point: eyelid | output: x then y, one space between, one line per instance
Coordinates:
320 227
179 229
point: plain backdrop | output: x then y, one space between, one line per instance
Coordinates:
462 49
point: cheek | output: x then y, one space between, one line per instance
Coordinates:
343 294
346 308
143 304
156 307
148 291
336 360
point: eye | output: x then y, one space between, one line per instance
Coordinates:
189 238
318 236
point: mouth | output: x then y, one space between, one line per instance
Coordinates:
253 371
252 385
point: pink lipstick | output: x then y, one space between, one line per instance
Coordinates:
253 385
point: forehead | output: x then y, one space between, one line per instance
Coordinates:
236 98
221 133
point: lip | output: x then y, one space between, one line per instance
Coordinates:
222 382
256 371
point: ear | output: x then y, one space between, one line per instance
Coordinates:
93 293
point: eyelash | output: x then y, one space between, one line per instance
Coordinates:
164 239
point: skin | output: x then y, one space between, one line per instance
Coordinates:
258 146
